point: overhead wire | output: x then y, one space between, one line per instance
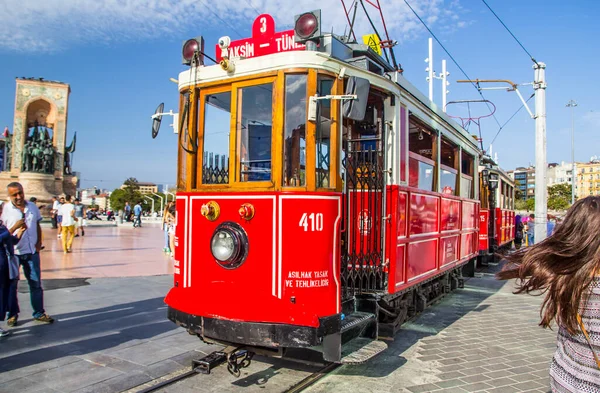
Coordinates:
455 62
221 19
510 118
254 8
510 32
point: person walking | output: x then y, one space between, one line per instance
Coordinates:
79 214
565 268
9 269
127 212
518 232
137 213
27 249
173 216
530 230
54 212
59 216
166 220
67 211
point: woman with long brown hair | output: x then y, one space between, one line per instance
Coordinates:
566 268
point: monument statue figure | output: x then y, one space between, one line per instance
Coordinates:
26 167
8 152
69 149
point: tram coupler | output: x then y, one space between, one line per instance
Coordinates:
210 361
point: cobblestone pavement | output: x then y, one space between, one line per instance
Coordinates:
480 339
112 335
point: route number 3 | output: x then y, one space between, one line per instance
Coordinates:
263 25
312 222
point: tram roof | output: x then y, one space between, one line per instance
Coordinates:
333 55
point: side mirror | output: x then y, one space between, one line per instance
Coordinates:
156 119
355 109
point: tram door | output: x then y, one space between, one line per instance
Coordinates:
363 166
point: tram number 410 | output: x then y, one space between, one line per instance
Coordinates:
312 222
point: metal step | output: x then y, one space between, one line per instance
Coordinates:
355 319
361 349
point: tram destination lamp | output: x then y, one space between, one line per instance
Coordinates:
307 29
192 51
493 181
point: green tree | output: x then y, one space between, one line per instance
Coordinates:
530 204
518 192
130 193
559 196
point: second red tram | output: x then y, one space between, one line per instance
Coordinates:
497 213
322 199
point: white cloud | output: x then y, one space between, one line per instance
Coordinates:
53 25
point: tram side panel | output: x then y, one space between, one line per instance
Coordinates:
428 234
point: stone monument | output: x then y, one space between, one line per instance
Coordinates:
36 154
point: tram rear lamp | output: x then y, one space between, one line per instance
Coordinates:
307 26
192 52
229 245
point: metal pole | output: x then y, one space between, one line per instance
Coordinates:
444 84
169 193
162 204
572 104
430 69
541 197
152 199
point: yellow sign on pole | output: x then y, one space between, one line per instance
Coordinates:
373 41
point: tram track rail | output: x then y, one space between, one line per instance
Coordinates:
180 375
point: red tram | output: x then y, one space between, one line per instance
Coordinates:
322 199
497 213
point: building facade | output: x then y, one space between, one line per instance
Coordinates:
524 181
588 178
145 188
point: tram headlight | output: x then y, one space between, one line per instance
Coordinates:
229 245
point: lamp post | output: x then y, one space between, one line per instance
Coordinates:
162 203
169 193
572 104
152 199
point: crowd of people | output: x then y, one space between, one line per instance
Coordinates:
525 229
21 243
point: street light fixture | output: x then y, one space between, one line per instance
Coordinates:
572 104
169 193
152 199
162 203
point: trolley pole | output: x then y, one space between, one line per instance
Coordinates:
541 196
429 69
572 104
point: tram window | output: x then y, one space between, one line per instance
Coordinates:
449 170
421 163
183 131
217 118
466 176
323 132
294 145
254 126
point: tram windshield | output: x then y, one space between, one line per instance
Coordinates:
253 134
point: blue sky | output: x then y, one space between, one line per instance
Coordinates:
118 59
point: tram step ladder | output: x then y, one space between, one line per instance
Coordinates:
359 332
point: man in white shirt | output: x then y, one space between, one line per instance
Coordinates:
67 211
28 248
